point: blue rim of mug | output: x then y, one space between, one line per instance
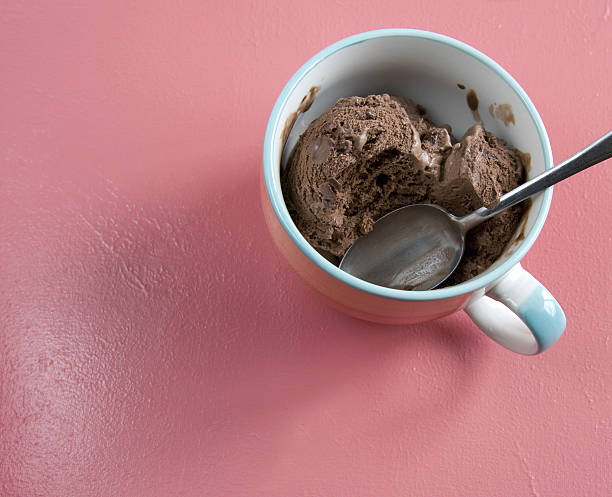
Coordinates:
278 204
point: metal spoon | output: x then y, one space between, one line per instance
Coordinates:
418 246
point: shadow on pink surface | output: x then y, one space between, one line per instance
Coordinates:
160 344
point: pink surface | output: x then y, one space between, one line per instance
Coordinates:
153 342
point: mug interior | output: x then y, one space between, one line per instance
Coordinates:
426 68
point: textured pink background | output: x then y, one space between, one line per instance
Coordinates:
153 342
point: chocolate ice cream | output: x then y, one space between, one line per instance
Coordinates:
365 157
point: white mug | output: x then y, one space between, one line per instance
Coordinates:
505 301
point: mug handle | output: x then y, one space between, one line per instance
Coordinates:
519 313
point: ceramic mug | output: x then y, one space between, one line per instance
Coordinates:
505 301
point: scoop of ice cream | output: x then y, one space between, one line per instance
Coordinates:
365 157
362 158
479 170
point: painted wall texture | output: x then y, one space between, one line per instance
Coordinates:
153 342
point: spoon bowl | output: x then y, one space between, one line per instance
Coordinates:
384 258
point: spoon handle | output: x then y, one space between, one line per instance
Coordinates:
596 152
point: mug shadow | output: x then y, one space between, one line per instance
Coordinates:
223 357
272 353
